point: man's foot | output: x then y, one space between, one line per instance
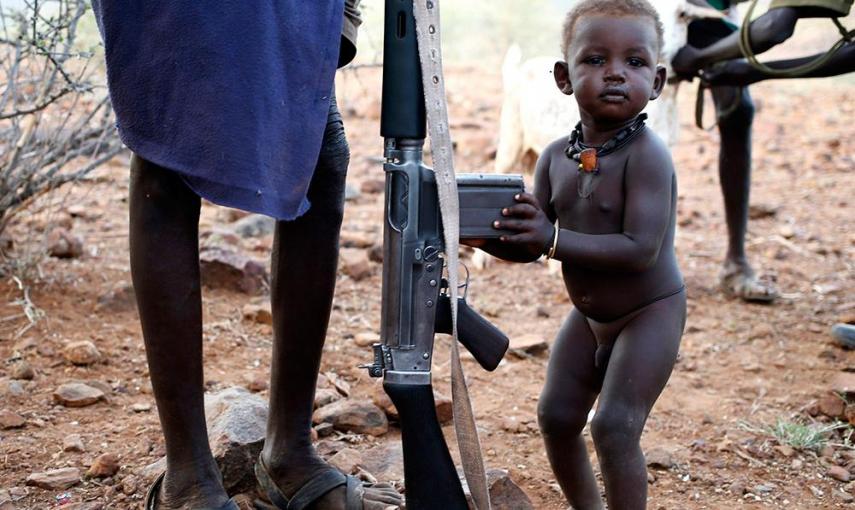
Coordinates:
185 490
739 280
844 335
312 476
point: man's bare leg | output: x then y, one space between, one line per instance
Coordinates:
738 277
164 218
304 263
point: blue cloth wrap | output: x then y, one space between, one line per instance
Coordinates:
231 94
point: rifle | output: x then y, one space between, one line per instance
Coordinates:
415 301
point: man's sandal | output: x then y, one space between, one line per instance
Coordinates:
737 284
306 495
154 491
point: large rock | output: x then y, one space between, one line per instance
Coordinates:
444 408
77 395
81 353
225 269
55 479
237 422
659 458
504 493
352 415
385 462
22 370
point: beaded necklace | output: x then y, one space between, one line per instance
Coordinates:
587 156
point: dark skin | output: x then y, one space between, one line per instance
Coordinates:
164 216
767 31
618 262
741 74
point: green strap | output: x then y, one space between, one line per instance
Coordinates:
793 72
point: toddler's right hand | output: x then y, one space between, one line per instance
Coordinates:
534 230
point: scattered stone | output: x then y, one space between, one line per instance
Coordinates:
839 473
832 406
785 450
254 225
81 353
542 312
257 384
121 298
504 493
760 211
651 477
827 452
129 485
738 487
326 396
225 269
523 346
237 423
105 465
366 339
373 186
62 244
257 313
444 408
347 460
356 240
85 505
844 496
55 479
351 193
141 407
77 395
659 458
73 443
354 263
382 400
338 383
512 424
375 253
10 420
385 462
11 388
324 429
22 370
844 384
352 415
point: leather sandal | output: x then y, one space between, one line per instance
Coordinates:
310 492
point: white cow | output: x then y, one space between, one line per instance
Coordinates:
535 113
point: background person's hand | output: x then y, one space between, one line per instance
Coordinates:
736 73
534 231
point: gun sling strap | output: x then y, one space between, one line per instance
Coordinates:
430 57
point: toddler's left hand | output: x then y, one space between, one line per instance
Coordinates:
534 230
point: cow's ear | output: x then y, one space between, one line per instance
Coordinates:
658 82
561 72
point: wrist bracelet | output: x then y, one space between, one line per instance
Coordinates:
551 253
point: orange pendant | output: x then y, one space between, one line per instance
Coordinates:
588 159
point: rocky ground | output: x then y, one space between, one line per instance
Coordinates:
78 427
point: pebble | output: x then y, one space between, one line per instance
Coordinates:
839 473
11 420
77 395
257 313
354 263
105 465
366 339
73 443
22 370
659 458
55 479
141 407
81 353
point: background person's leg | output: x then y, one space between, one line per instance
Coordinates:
572 384
164 249
642 359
